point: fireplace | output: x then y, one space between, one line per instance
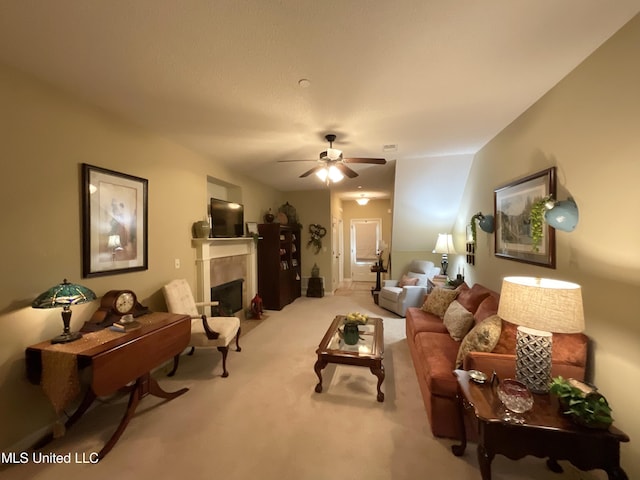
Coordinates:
222 260
229 296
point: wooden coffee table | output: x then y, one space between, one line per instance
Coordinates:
545 434
368 352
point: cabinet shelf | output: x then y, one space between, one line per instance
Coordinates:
279 278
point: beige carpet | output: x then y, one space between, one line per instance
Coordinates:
266 422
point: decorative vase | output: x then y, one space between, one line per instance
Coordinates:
351 333
315 270
269 217
201 229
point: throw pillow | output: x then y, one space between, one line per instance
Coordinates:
406 281
482 338
458 320
439 300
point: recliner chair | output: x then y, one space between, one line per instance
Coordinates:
397 296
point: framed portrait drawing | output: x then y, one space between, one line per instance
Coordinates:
512 206
252 228
114 222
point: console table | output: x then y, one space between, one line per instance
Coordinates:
120 362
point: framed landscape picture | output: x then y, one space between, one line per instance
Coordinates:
114 222
512 206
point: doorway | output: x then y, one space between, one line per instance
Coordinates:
366 235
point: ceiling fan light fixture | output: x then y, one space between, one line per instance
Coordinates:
335 175
331 154
362 201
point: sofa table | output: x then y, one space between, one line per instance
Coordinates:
120 361
545 433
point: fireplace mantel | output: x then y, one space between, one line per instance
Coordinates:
208 249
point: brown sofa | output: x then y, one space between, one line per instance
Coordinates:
434 353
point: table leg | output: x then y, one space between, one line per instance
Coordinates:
319 365
145 385
484 461
378 371
458 450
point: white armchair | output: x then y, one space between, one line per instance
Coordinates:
397 296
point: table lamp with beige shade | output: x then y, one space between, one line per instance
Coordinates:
540 307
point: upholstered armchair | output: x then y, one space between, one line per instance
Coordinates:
206 331
408 291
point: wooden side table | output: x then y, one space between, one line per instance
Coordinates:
545 434
315 287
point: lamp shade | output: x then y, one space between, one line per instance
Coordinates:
563 215
63 295
444 244
542 304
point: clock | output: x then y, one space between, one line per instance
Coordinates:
113 305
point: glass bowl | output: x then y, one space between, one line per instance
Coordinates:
516 398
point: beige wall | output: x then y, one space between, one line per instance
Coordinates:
428 192
588 126
374 209
313 207
45 136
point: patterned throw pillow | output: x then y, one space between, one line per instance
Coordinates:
482 338
439 300
458 320
408 281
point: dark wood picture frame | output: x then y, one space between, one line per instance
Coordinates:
512 205
114 222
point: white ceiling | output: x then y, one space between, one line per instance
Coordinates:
221 77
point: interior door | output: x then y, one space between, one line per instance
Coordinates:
337 270
366 234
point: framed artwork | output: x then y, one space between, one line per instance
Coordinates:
512 205
114 222
252 228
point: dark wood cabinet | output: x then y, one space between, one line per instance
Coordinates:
279 278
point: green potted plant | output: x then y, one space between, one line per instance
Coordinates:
536 216
582 403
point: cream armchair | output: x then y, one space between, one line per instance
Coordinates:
409 291
206 331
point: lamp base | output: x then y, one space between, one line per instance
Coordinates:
533 359
67 337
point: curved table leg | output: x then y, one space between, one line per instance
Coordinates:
378 371
319 365
458 450
145 385
484 460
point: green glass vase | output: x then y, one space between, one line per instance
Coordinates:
351 334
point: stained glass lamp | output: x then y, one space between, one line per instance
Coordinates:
64 295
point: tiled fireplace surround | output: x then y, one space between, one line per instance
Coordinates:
221 260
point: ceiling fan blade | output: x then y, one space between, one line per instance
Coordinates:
313 170
376 161
346 170
289 161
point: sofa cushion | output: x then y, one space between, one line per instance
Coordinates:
421 321
507 341
482 338
437 354
422 278
458 320
470 298
488 307
406 280
439 300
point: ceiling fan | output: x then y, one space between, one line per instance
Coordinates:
332 166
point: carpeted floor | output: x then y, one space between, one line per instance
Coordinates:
266 422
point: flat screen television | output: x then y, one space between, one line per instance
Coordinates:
227 218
